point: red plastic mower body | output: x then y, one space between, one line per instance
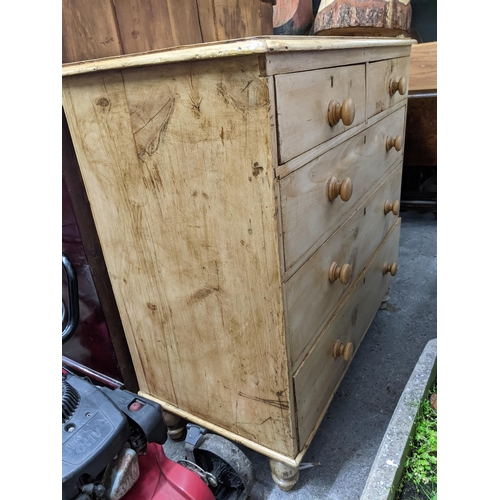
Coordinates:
164 479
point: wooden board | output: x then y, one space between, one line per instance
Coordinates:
155 24
93 30
230 19
89 30
174 158
423 67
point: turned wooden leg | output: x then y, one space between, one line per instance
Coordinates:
284 475
176 426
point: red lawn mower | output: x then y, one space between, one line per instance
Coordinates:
112 442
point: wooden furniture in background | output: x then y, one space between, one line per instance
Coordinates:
97 29
423 67
419 188
245 225
363 18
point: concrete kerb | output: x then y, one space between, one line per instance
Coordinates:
389 463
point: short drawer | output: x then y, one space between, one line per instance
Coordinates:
314 106
309 213
387 84
317 288
322 371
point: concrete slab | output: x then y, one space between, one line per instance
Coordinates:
389 464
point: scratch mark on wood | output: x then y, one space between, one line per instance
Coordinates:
282 405
202 294
246 86
259 100
147 137
194 96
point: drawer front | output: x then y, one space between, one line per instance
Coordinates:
317 288
321 372
303 101
308 215
387 84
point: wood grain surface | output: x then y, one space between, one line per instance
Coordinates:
309 217
302 102
423 67
178 150
178 167
320 373
310 298
94 30
89 30
379 76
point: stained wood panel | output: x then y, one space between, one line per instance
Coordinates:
89 30
154 24
94 30
229 19
423 67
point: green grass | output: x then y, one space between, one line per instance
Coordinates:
419 479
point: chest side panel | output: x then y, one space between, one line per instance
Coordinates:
178 167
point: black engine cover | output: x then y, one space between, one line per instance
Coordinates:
94 430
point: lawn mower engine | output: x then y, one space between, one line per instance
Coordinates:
112 444
112 448
103 431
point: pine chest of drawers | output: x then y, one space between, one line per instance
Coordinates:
246 198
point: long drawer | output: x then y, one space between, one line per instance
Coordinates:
387 84
314 292
308 215
303 103
320 373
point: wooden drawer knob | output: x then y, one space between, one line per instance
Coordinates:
336 112
391 207
342 273
390 268
346 351
336 187
398 86
396 143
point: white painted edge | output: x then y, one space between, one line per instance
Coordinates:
388 466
